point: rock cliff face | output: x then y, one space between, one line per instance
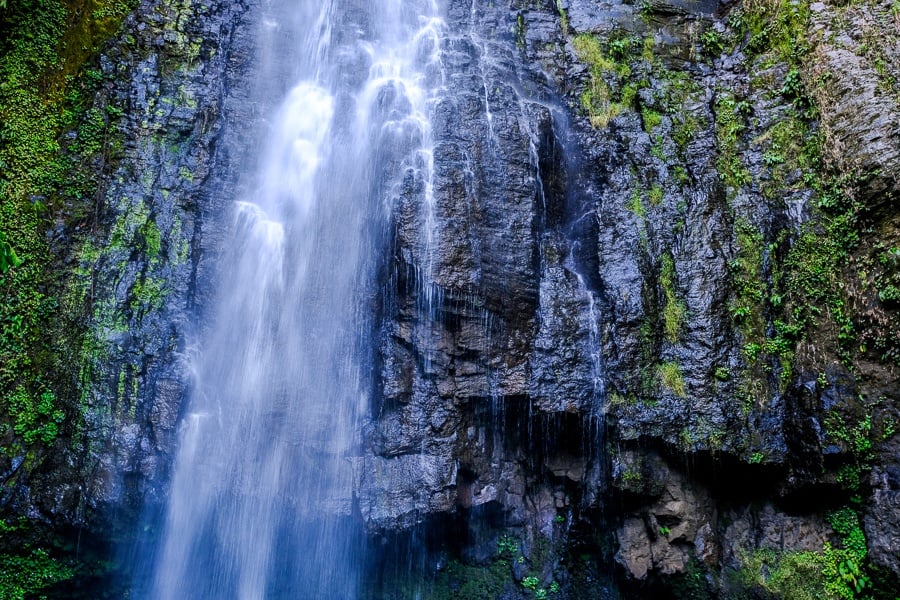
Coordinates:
137 280
648 347
682 324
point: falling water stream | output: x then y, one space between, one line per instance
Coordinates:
262 487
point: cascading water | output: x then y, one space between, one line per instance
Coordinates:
262 488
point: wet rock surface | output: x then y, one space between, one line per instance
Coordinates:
140 270
642 313
577 337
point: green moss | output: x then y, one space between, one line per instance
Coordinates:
606 95
795 575
148 294
674 309
671 378
133 226
590 51
684 128
774 27
636 205
790 146
460 581
521 31
730 129
658 150
563 17
186 174
747 280
812 269
628 95
152 238
651 119
470 582
834 573
683 178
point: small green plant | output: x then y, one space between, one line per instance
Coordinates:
889 293
712 42
34 419
752 350
507 546
773 157
664 531
645 9
530 582
844 567
850 476
621 47
722 373
631 476
8 257
683 178
857 437
756 458
559 519
793 85
554 587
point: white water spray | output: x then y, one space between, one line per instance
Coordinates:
261 495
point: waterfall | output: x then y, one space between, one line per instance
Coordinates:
261 497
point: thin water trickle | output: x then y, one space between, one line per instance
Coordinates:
262 485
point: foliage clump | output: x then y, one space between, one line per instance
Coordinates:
834 573
606 96
44 93
27 575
